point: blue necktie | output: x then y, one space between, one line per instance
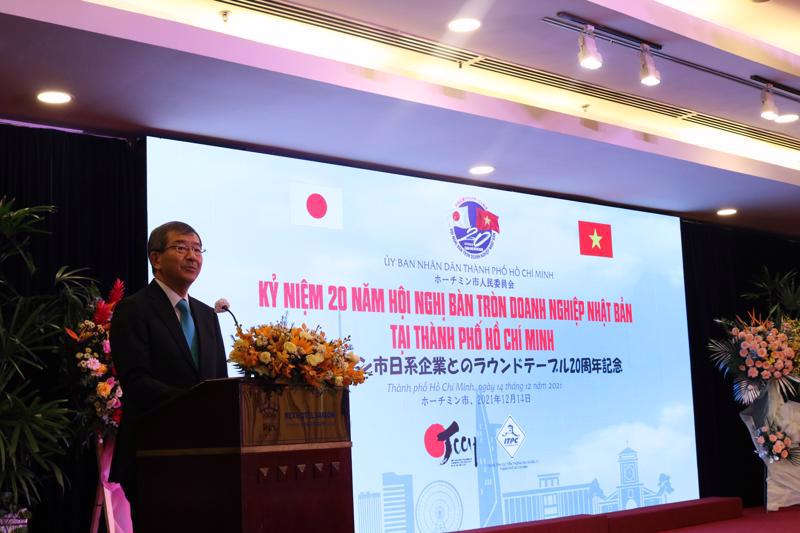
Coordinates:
187 325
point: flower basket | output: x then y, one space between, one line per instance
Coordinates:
282 354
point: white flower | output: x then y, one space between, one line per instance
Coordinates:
353 357
222 305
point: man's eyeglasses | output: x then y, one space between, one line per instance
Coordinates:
182 249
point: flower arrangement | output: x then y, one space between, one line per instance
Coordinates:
757 353
774 445
101 391
282 353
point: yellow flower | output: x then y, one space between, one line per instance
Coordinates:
265 357
314 359
290 347
103 389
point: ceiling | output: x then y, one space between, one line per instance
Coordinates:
133 73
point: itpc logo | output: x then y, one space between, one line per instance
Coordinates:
510 437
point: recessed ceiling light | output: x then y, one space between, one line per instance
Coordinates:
481 170
54 97
728 211
464 25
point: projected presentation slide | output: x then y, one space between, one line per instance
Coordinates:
529 355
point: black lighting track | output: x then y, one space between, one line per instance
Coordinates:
577 24
638 41
776 85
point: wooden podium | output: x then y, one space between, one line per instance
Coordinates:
233 455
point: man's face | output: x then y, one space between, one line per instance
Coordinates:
178 270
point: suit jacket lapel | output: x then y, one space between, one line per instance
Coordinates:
204 339
167 314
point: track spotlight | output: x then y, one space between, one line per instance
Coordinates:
588 56
769 111
788 117
648 73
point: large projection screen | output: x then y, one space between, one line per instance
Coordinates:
530 357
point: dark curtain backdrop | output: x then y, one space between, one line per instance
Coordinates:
719 265
98 186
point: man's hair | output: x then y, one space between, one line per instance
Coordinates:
158 237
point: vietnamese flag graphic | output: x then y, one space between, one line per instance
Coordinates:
485 220
595 239
315 205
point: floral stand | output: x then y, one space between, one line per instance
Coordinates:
783 477
110 496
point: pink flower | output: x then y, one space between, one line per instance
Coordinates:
779 364
772 438
106 346
742 368
762 352
778 447
745 345
749 361
752 372
765 374
759 364
779 434
743 353
760 440
777 374
785 454
764 429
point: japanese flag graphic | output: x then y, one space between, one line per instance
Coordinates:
315 205
460 217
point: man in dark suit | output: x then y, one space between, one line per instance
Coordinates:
163 341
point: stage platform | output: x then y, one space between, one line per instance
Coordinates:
752 519
706 515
